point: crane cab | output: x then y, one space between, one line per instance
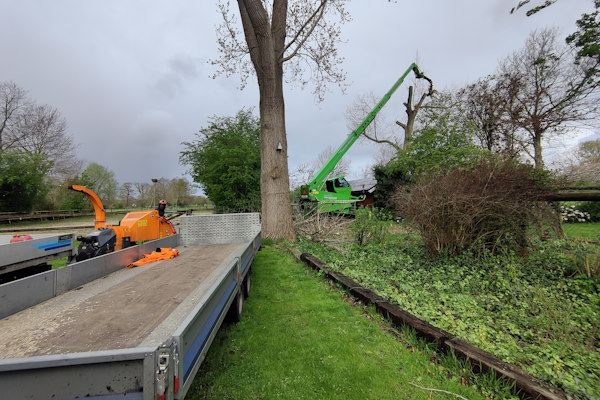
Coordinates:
333 196
338 184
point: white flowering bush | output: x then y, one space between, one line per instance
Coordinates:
572 214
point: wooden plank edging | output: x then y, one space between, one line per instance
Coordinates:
529 385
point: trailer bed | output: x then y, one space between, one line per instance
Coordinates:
96 329
123 310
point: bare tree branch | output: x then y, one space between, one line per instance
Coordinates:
551 90
313 20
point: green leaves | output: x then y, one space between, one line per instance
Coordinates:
21 181
225 160
370 225
441 145
533 10
527 311
587 37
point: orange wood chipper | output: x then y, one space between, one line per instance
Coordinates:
135 227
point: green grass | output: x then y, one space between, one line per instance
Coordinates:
540 312
587 230
298 339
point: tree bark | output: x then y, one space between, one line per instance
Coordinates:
411 116
537 150
265 41
573 195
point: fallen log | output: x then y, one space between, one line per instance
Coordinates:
573 195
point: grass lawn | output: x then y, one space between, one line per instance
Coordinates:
298 339
587 230
539 312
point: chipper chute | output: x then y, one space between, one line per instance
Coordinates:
135 227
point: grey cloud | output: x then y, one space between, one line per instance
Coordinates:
181 71
131 79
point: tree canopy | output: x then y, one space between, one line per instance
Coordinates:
36 129
225 161
34 138
21 181
102 181
586 41
589 151
442 143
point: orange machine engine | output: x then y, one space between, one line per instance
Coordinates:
136 226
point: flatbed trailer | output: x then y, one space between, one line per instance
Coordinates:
28 257
98 330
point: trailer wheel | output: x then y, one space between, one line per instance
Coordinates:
246 284
234 314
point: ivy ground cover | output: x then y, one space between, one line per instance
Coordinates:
534 311
299 339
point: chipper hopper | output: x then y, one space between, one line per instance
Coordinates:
135 227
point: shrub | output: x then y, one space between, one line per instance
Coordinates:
592 208
482 205
22 181
224 159
389 177
370 225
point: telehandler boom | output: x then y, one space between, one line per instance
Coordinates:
334 194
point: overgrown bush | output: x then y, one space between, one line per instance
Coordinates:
592 208
371 225
486 204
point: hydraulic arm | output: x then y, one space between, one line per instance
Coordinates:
338 191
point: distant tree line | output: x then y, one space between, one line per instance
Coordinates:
178 192
38 160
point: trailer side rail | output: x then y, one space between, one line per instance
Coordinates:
125 372
27 292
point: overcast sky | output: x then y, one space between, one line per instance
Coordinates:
132 77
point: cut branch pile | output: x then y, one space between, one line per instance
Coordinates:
322 227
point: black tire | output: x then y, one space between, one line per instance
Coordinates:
247 283
234 314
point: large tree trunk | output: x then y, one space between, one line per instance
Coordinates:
274 177
265 41
537 150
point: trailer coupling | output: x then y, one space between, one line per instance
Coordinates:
167 377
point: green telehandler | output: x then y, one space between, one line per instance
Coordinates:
335 194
